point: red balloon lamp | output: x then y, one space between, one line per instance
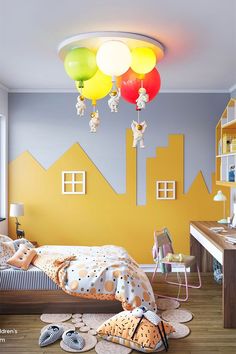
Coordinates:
130 83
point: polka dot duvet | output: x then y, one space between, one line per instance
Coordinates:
105 273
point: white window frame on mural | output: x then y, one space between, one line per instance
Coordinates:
166 189
73 182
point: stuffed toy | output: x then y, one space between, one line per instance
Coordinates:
113 101
94 122
80 105
139 329
138 133
142 99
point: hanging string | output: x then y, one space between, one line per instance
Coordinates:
138 116
141 83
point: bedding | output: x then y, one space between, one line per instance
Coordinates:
105 273
22 257
8 247
32 279
7 250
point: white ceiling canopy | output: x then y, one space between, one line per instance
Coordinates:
199 38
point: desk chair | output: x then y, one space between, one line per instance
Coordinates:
162 242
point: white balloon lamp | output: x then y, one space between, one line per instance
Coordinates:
113 58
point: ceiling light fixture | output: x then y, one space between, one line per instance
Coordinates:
120 64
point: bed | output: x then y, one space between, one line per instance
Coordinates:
36 290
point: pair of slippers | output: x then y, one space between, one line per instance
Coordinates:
70 337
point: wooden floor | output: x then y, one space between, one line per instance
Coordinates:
207 334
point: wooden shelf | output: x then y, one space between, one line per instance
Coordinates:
226 184
225 130
228 154
231 124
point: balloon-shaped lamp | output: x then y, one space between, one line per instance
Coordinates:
97 87
80 64
113 58
143 60
130 84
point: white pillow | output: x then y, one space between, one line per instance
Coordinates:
5 238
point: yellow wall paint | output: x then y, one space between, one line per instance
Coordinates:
102 216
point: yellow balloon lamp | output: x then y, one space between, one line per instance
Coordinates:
97 87
143 60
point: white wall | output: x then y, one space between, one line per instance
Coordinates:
4 158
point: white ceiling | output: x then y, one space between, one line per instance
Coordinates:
200 37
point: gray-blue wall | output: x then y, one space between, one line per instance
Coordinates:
233 93
46 125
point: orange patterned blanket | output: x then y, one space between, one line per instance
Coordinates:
105 273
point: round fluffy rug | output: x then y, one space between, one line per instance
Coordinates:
180 316
78 324
66 326
90 342
105 347
94 320
167 304
76 320
181 330
84 328
55 317
77 315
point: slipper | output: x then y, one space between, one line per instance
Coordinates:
73 340
50 335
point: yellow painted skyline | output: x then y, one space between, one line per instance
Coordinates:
102 216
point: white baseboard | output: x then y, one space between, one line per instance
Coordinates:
149 268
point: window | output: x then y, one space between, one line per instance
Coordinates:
3 167
73 182
165 190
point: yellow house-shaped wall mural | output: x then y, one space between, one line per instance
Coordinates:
101 216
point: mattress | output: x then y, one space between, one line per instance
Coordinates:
32 279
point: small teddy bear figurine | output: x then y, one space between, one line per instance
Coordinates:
113 101
138 133
142 99
80 105
94 122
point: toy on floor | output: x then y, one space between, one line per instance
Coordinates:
139 329
50 335
73 340
80 105
113 101
142 99
138 133
142 312
94 122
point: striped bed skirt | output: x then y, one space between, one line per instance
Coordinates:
31 279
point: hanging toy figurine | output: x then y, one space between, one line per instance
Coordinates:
94 122
138 133
114 99
80 105
142 99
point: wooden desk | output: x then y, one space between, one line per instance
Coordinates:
206 244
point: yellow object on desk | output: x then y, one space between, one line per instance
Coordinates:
171 257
